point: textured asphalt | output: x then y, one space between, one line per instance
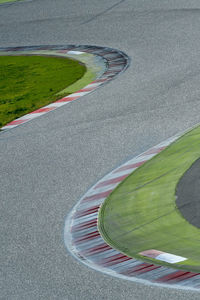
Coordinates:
48 163
188 194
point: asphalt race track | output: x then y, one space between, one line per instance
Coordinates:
48 163
189 209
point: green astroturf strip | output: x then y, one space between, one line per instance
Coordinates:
30 82
141 213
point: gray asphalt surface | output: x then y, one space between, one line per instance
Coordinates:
48 163
188 194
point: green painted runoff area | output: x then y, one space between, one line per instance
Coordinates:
141 213
30 82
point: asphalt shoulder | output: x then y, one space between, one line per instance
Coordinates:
188 194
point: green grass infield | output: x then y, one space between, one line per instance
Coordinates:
141 213
30 82
4 1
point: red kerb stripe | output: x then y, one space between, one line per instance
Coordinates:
85 225
100 248
86 212
145 270
111 181
138 268
97 196
131 166
186 276
41 110
68 99
115 259
109 72
86 237
154 150
99 80
86 90
116 64
16 122
172 276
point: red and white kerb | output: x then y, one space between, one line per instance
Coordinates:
115 61
84 241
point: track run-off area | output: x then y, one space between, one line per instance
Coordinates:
48 163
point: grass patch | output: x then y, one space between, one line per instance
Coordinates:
4 1
141 213
30 82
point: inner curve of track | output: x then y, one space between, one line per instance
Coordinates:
48 163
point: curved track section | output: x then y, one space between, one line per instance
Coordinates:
83 238
115 60
48 163
187 200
